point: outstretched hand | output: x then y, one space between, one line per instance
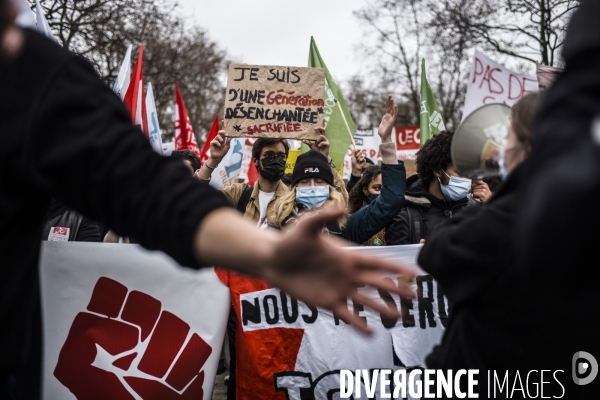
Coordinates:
387 122
313 269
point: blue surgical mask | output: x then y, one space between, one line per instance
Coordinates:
456 189
312 196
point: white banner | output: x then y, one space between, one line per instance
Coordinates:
310 345
121 322
367 141
490 82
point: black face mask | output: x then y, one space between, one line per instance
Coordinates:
272 169
372 197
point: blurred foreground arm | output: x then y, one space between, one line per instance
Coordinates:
301 262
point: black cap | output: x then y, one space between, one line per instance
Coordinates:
312 164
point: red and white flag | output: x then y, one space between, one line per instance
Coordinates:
134 97
184 134
214 130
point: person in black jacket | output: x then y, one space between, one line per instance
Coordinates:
436 194
63 223
472 257
558 220
65 133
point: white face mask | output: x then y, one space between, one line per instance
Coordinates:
456 189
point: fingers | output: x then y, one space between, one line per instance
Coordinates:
313 224
321 130
377 306
341 310
376 280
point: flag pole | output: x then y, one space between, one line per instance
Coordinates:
346 123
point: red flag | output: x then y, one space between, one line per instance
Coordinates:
214 130
134 97
184 135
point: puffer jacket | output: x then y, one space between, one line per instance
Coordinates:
421 215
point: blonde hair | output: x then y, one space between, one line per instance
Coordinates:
286 206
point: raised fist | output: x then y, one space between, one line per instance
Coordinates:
126 347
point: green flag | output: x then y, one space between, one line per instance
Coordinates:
431 118
337 133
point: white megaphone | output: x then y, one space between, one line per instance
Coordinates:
479 141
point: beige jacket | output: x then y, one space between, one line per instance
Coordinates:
234 193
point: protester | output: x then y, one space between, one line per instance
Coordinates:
366 190
189 158
65 132
558 219
434 195
472 256
313 188
63 224
359 163
269 156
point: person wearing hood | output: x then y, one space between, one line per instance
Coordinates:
433 196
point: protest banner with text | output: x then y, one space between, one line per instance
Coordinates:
271 101
491 82
292 350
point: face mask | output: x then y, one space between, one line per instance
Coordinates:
372 197
312 196
456 189
272 169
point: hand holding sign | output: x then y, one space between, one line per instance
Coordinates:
321 144
219 147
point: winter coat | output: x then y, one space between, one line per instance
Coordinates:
422 214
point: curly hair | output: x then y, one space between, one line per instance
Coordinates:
357 198
434 155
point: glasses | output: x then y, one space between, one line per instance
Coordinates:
270 154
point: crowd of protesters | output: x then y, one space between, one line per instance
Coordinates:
503 249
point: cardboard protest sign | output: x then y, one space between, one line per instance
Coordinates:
271 101
292 350
122 322
491 82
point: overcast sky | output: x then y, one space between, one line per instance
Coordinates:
277 32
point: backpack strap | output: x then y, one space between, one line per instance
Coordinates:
416 226
244 199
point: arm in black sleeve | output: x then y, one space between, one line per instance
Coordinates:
398 232
469 251
352 182
88 231
88 153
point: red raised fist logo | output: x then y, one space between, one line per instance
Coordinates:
127 346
